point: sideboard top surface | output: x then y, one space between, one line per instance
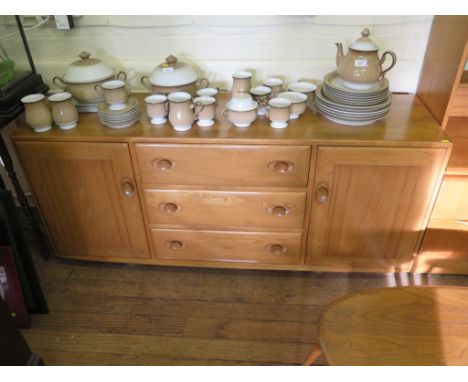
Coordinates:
408 124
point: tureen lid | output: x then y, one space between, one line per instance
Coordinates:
173 73
87 69
364 44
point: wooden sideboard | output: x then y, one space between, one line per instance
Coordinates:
314 196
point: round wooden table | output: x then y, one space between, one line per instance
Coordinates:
420 325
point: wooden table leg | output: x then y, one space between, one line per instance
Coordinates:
316 352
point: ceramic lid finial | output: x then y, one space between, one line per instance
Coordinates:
365 32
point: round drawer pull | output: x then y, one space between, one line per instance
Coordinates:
322 193
175 245
162 164
277 249
169 207
281 167
279 211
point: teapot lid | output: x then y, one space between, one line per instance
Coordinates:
171 64
364 44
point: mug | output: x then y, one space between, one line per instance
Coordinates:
37 114
156 108
114 92
182 111
207 114
278 112
208 92
64 112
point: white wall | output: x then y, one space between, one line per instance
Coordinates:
295 47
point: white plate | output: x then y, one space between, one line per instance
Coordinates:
349 123
120 125
339 106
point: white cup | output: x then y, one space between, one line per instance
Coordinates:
207 92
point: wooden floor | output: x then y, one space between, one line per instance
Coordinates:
114 314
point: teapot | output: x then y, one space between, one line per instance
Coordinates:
361 67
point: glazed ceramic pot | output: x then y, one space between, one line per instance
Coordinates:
37 114
82 76
173 76
361 67
64 112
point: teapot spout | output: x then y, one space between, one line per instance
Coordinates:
339 53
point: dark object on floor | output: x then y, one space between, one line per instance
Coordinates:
11 234
14 351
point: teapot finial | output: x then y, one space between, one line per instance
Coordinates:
365 32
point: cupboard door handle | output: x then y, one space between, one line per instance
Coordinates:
162 164
277 249
281 167
322 193
175 245
279 211
169 207
127 187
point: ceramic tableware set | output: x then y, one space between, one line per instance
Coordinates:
266 100
119 110
60 109
357 93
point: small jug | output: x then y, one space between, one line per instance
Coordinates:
64 112
361 67
37 114
182 112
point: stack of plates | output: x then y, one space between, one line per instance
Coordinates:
352 107
87 107
119 119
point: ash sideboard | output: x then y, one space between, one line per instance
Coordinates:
315 196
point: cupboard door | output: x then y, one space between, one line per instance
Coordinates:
88 197
369 205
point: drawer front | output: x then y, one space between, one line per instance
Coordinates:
250 247
228 209
452 201
275 166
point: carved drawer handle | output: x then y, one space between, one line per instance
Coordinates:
169 207
175 245
322 193
162 164
280 211
281 167
277 249
127 187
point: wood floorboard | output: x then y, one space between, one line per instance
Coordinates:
118 314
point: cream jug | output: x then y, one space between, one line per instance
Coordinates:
361 67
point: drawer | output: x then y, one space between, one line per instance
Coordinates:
275 166
228 209
250 247
452 201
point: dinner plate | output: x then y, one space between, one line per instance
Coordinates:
363 108
333 80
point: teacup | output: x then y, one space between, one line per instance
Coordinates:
208 92
64 112
114 92
206 116
278 112
261 95
298 103
304 87
37 114
241 82
156 108
276 85
181 111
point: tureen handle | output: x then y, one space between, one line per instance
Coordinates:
171 60
84 55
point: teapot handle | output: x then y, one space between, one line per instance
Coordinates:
382 60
